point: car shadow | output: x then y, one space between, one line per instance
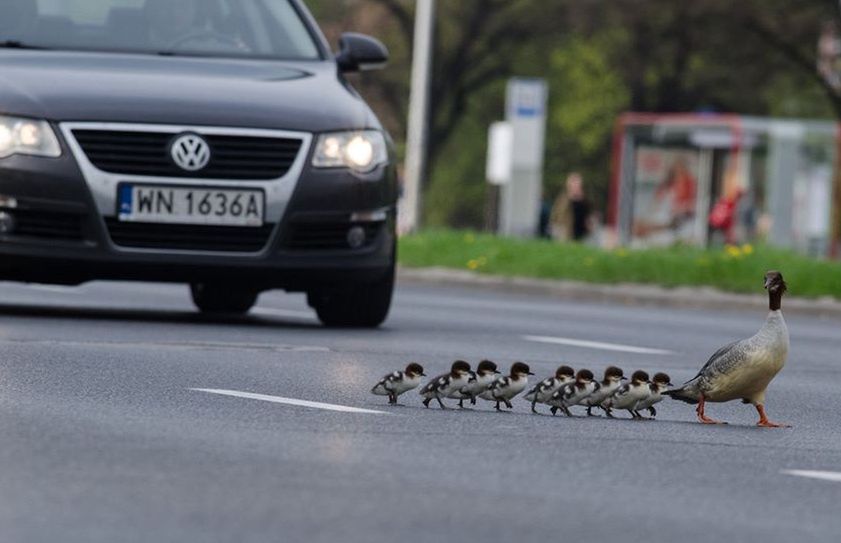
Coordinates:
152 316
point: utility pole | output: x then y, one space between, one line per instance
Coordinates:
417 137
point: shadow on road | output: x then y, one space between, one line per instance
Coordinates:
150 315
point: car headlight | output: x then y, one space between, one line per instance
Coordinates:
27 137
361 151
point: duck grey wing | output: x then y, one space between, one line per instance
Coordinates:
723 360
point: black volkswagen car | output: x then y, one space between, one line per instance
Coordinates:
214 143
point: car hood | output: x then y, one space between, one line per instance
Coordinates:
65 86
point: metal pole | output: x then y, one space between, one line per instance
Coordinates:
416 140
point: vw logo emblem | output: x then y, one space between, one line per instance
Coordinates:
190 152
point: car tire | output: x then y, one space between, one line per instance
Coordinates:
357 305
217 298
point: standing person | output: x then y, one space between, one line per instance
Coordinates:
681 190
570 218
723 216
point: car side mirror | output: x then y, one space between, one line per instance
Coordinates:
360 53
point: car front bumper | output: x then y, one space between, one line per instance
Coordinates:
65 229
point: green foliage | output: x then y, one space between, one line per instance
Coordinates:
588 93
601 57
734 269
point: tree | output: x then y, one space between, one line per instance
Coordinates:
600 56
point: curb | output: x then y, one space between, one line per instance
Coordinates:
625 293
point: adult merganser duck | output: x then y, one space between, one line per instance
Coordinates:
479 380
544 389
399 382
443 386
743 370
505 388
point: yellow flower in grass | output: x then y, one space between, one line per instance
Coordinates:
733 251
473 265
747 248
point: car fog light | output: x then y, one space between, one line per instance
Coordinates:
356 237
7 223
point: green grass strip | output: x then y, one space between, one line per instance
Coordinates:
732 268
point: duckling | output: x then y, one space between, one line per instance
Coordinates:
481 379
399 382
658 386
444 385
613 378
744 369
629 395
544 389
504 389
573 393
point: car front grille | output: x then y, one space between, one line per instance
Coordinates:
148 154
313 236
179 237
48 225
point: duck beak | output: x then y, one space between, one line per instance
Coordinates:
497 372
623 378
531 373
423 375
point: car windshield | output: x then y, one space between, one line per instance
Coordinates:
242 28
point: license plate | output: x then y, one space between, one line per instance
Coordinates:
186 205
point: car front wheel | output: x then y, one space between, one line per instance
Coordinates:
362 305
223 299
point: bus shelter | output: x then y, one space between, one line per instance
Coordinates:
708 179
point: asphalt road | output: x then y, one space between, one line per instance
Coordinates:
104 438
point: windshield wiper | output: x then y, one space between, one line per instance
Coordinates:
17 44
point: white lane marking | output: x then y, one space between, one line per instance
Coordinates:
289 401
833 476
596 345
55 288
275 312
